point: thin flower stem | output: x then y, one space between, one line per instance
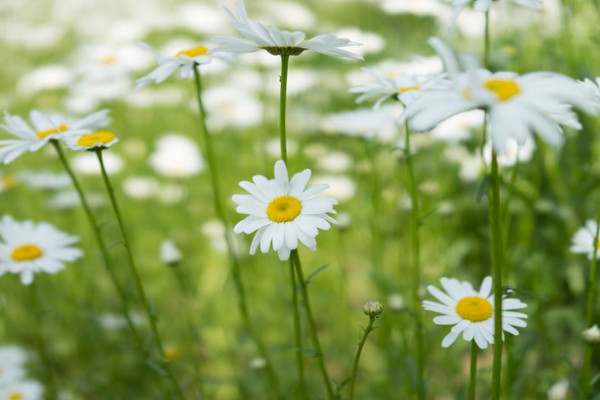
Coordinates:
150 314
106 260
282 105
473 374
589 316
361 344
235 265
312 325
416 265
497 263
41 346
298 334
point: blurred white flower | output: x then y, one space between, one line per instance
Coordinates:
198 17
341 187
415 7
273 147
583 240
290 14
365 123
458 127
161 96
45 180
483 6
140 187
336 161
591 335
228 106
512 153
370 42
87 163
176 156
170 193
48 77
559 391
169 253
70 199
7 182
22 390
396 302
12 360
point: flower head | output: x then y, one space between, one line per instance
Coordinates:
99 140
484 5
277 42
517 105
22 390
591 335
27 248
472 312
43 127
283 212
583 240
372 309
169 253
12 359
184 60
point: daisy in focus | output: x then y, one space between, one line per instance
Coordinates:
256 36
472 312
483 6
43 127
516 105
27 248
91 141
283 212
184 60
583 240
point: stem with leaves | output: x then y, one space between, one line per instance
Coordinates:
361 344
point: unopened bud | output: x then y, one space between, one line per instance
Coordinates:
372 309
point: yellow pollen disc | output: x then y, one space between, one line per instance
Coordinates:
195 52
8 182
47 132
598 245
409 88
108 60
171 352
474 309
284 209
92 139
16 396
503 89
26 252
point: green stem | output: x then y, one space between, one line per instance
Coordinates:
150 314
589 317
312 325
416 266
473 374
106 260
235 265
361 344
41 346
297 334
282 104
497 263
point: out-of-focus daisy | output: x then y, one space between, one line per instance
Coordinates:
516 105
228 105
27 248
484 5
99 140
513 152
184 60
365 123
70 199
340 187
12 359
583 240
592 335
336 161
22 390
458 127
7 182
370 41
87 163
44 127
140 187
169 253
45 180
472 312
559 391
47 77
277 42
283 212
176 156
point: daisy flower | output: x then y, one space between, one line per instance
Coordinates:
92 141
282 212
22 390
583 240
256 36
516 105
472 312
27 248
483 6
184 60
12 359
43 127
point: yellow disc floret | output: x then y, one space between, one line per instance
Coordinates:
97 138
8 182
26 252
284 209
408 89
504 89
48 132
16 396
474 309
194 52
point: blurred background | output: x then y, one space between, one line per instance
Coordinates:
79 56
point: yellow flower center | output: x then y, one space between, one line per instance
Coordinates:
504 89
16 396
108 60
171 352
26 252
194 52
474 309
92 139
8 182
409 88
48 132
284 209
598 245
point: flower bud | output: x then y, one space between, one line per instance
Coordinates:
372 309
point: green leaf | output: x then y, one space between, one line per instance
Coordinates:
315 272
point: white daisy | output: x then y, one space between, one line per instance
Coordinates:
12 359
7 182
283 212
583 240
169 253
472 312
27 248
516 105
45 180
44 127
277 42
484 5
365 123
92 141
184 60
22 390
176 156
